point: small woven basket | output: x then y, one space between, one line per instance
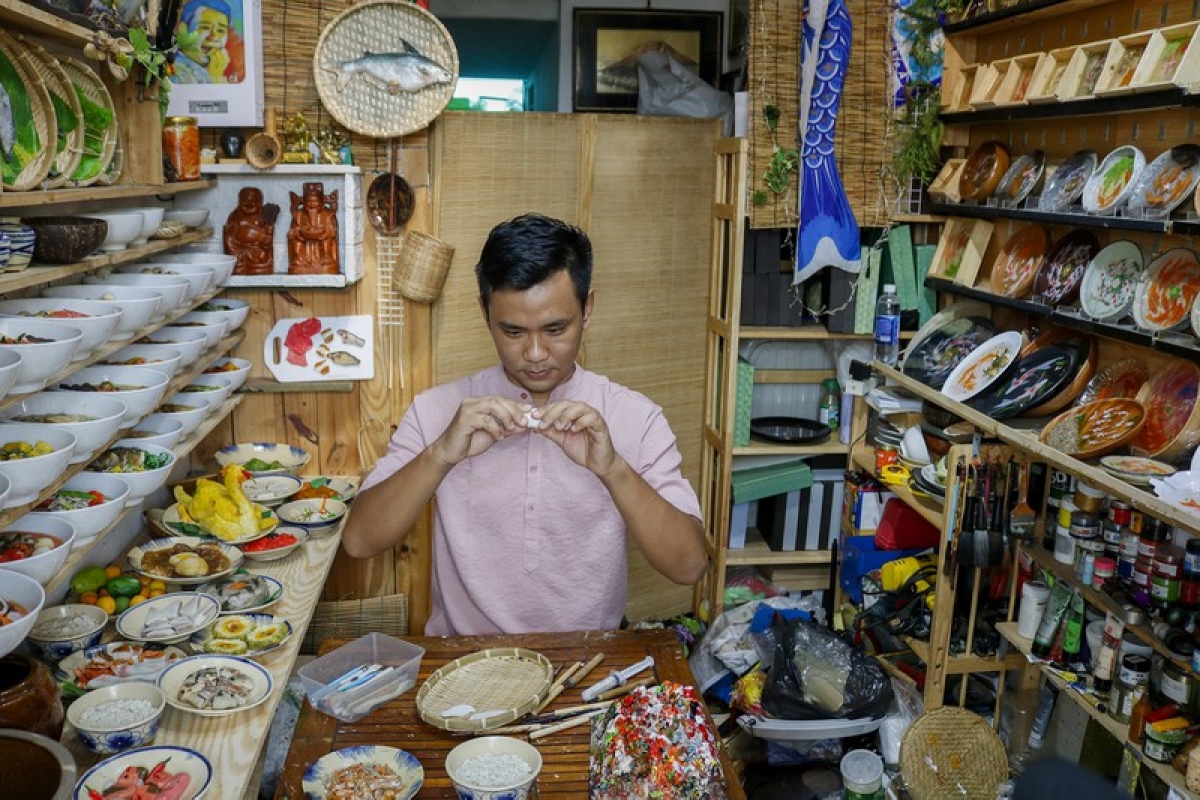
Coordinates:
500 685
422 267
42 117
952 752
88 83
69 148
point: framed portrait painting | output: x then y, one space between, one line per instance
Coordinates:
607 43
218 63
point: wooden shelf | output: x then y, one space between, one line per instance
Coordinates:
756 553
1156 100
930 509
1114 222
1020 13
804 333
917 219
1089 704
964 664
765 449
19 15
90 194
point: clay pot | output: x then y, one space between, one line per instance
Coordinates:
47 769
64 240
29 699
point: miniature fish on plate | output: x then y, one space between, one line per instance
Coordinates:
407 71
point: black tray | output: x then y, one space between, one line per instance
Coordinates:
789 430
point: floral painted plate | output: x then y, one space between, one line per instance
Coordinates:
1058 278
986 365
1068 181
1112 183
407 769
1124 378
1196 316
1021 178
936 356
1166 182
1110 281
1035 379
961 308
982 172
1170 400
1094 429
1134 469
1167 291
1017 264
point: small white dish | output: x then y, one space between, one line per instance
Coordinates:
174 677
984 366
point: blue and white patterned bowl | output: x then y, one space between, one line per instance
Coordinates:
292 458
58 649
493 746
20 240
5 250
109 739
319 773
179 761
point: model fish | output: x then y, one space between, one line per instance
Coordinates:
8 127
408 71
344 359
351 339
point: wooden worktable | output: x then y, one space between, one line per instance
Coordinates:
565 754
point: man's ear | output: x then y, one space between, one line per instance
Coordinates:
587 308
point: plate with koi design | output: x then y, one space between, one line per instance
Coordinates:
1112 182
1017 264
1022 177
1058 278
1167 291
1096 428
1067 183
983 170
934 357
1110 281
1124 378
1036 378
1166 182
985 365
1170 400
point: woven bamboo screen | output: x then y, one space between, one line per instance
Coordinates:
774 80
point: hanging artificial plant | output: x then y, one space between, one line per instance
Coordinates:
784 161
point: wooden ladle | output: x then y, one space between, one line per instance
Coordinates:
390 200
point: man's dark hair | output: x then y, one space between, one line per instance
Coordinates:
523 252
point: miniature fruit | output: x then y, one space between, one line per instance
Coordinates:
137 599
89 580
121 604
108 604
232 627
123 586
266 636
112 571
226 647
89 598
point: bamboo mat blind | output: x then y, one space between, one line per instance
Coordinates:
774 79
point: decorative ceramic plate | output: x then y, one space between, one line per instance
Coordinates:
1022 178
982 172
116 662
1017 264
1058 278
342 489
1196 316
1035 379
172 524
173 678
1166 182
1167 291
1123 378
407 768
1170 400
233 558
961 308
985 365
258 591
789 430
1110 281
1068 181
1112 183
259 635
125 768
1136 470
271 490
936 356
1094 429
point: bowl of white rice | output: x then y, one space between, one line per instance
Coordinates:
492 767
117 717
62 630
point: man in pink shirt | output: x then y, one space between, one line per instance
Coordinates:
540 468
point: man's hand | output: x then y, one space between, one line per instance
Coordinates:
581 433
478 424
218 62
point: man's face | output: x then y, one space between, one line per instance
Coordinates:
213 28
537 333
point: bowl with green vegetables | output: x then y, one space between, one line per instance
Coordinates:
264 458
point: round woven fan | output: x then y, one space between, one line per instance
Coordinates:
485 690
952 752
385 68
37 120
112 172
99 142
70 141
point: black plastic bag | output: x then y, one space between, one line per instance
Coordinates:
818 675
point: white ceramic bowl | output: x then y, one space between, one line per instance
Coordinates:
140 483
40 361
179 760
214 326
318 516
10 365
151 385
159 429
107 414
29 476
172 679
405 765
42 567
123 228
291 457
190 343
173 290
234 311
222 264
483 747
152 217
160 357
97 327
197 410
277 553
138 305
200 278
90 521
109 739
58 648
132 622
29 595
192 217
238 376
212 389
271 490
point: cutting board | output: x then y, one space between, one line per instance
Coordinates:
321 349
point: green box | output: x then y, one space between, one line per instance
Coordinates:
867 292
759 482
926 298
900 255
743 404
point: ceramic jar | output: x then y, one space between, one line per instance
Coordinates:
29 698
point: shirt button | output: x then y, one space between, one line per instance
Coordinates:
524 396
533 469
531 506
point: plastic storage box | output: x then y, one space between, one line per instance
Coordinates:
332 690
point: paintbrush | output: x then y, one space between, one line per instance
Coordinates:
1022 520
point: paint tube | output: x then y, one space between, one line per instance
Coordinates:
1106 659
1073 629
1041 720
1056 609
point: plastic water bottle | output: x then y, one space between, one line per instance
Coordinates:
887 326
831 403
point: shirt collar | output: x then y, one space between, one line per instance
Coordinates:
506 388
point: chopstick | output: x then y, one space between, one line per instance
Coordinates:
591 665
557 687
621 691
562 726
538 723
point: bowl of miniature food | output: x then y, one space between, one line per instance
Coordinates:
144 467
138 305
32 457
187 408
66 239
279 543
212 389
93 418
161 357
235 369
173 290
190 343
90 501
118 717
158 429
264 458
45 348
200 278
215 326
222 264
62 630
492 767
319 516
155 771
235 311
21 600
271 490
96 320
36 546
139 388
10 365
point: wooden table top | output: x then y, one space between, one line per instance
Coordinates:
565 754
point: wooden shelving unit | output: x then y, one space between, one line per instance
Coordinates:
35 200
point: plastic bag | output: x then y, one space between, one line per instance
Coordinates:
907 706
666 88
817 675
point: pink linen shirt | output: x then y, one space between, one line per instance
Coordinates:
524 539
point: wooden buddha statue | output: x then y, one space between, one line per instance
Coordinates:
249 233
313 236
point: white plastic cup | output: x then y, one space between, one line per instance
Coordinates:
862 775
1034 596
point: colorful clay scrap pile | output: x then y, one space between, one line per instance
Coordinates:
655 742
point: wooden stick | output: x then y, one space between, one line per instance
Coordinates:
591 665
621 691
572 710
547 719
557 687
574 722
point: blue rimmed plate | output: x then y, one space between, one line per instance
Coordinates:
320 775
1110 281
180 767
1068 181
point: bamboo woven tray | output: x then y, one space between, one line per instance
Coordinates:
69 148
90 86
371 105
951 752
501 684
41 118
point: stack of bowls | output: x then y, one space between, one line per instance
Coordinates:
152 217
123 228
98 323
138 305
21 239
